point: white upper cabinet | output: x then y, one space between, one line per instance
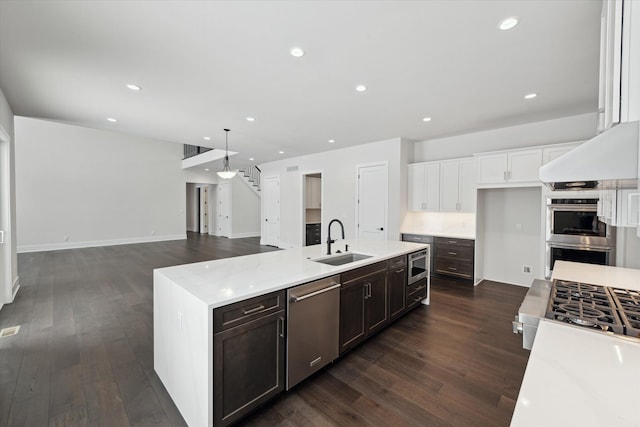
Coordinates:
553 152
424 186
515 168
468 188
446 186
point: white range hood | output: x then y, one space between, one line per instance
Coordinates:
610 160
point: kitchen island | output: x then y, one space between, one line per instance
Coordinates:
186 297
579 376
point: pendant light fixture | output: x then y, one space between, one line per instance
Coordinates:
226 172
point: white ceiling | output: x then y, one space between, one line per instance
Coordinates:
207 65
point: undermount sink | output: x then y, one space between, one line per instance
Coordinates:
343 259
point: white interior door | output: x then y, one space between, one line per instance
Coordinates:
224 201
5 227
372 201
204 209
271 198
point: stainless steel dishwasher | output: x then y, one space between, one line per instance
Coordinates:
313 323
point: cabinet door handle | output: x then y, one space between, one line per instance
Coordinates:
504 175
417 299
367 290
281 327
453 269
453 253
253 310
453 242
399 271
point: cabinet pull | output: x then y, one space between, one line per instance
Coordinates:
281 327
504 175
453 242
367 290
453 269
253 310
399 271
453 253
419 288
418 299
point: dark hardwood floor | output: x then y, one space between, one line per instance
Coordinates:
84 354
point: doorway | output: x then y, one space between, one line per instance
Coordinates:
372 201
199 203
312 208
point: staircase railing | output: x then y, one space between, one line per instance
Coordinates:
193 150
253 176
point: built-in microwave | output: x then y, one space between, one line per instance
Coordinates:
418 265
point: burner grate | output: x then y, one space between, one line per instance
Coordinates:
584 305
628 303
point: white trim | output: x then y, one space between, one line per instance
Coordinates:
5 193
15 288
98 243
246 234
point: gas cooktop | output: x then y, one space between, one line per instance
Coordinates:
599 307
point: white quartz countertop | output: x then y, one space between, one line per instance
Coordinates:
579 377
439 233
224 281
627 278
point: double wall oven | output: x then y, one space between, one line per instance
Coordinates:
575 233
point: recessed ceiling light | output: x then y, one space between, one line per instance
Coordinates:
206 138
508 23
331 141
281 152
251 159
251 119
426 119
111 119
207 169
530 95
361 88
134 87
297 52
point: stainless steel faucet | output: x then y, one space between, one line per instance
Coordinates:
329 241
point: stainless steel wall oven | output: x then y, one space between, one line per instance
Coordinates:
575 233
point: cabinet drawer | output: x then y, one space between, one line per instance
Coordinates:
454 267
360 273
454 241
397 262
462 253
242 312
416 293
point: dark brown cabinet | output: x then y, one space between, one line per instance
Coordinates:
397 286
248 355
454 257
364 305
416 292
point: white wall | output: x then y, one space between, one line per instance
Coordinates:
338 168
7 290
95 187
512 228
245 209
566 129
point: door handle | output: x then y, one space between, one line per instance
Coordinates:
281 327
313 294
381 228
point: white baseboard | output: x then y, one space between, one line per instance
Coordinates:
243 235
97 243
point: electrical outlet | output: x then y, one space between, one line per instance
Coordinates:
526 269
